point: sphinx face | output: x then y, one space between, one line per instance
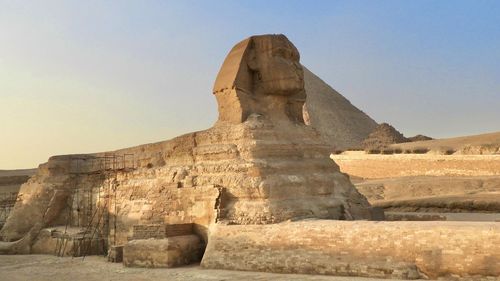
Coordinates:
261 74
275 62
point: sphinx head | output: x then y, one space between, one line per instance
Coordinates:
262 75
274 62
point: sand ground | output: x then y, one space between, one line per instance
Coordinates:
45 268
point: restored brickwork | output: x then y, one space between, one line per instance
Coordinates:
359 248
147 231
161 231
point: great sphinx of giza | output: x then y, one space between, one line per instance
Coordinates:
261 75
259 164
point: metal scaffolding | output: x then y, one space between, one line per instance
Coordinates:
7 202
94 214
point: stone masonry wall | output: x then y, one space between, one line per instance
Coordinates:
372 166
406 250
147 231
149 203
161 231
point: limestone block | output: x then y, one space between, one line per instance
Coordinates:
402 250
169 252
161 231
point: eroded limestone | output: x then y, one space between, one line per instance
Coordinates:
258 164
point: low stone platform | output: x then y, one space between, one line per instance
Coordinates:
158 253
403 250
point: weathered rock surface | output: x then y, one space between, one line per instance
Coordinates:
10 182
457 194
426 182
259 164
405 250
162 253
338 121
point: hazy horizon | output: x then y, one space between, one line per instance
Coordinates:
82 77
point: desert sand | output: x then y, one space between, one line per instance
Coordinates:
50 268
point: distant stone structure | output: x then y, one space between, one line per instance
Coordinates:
369 166
383 136
419 138
483 144
426 182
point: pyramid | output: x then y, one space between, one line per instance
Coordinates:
383 136
340 123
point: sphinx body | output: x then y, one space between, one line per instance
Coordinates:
258 164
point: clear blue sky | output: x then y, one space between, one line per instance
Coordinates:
86 76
